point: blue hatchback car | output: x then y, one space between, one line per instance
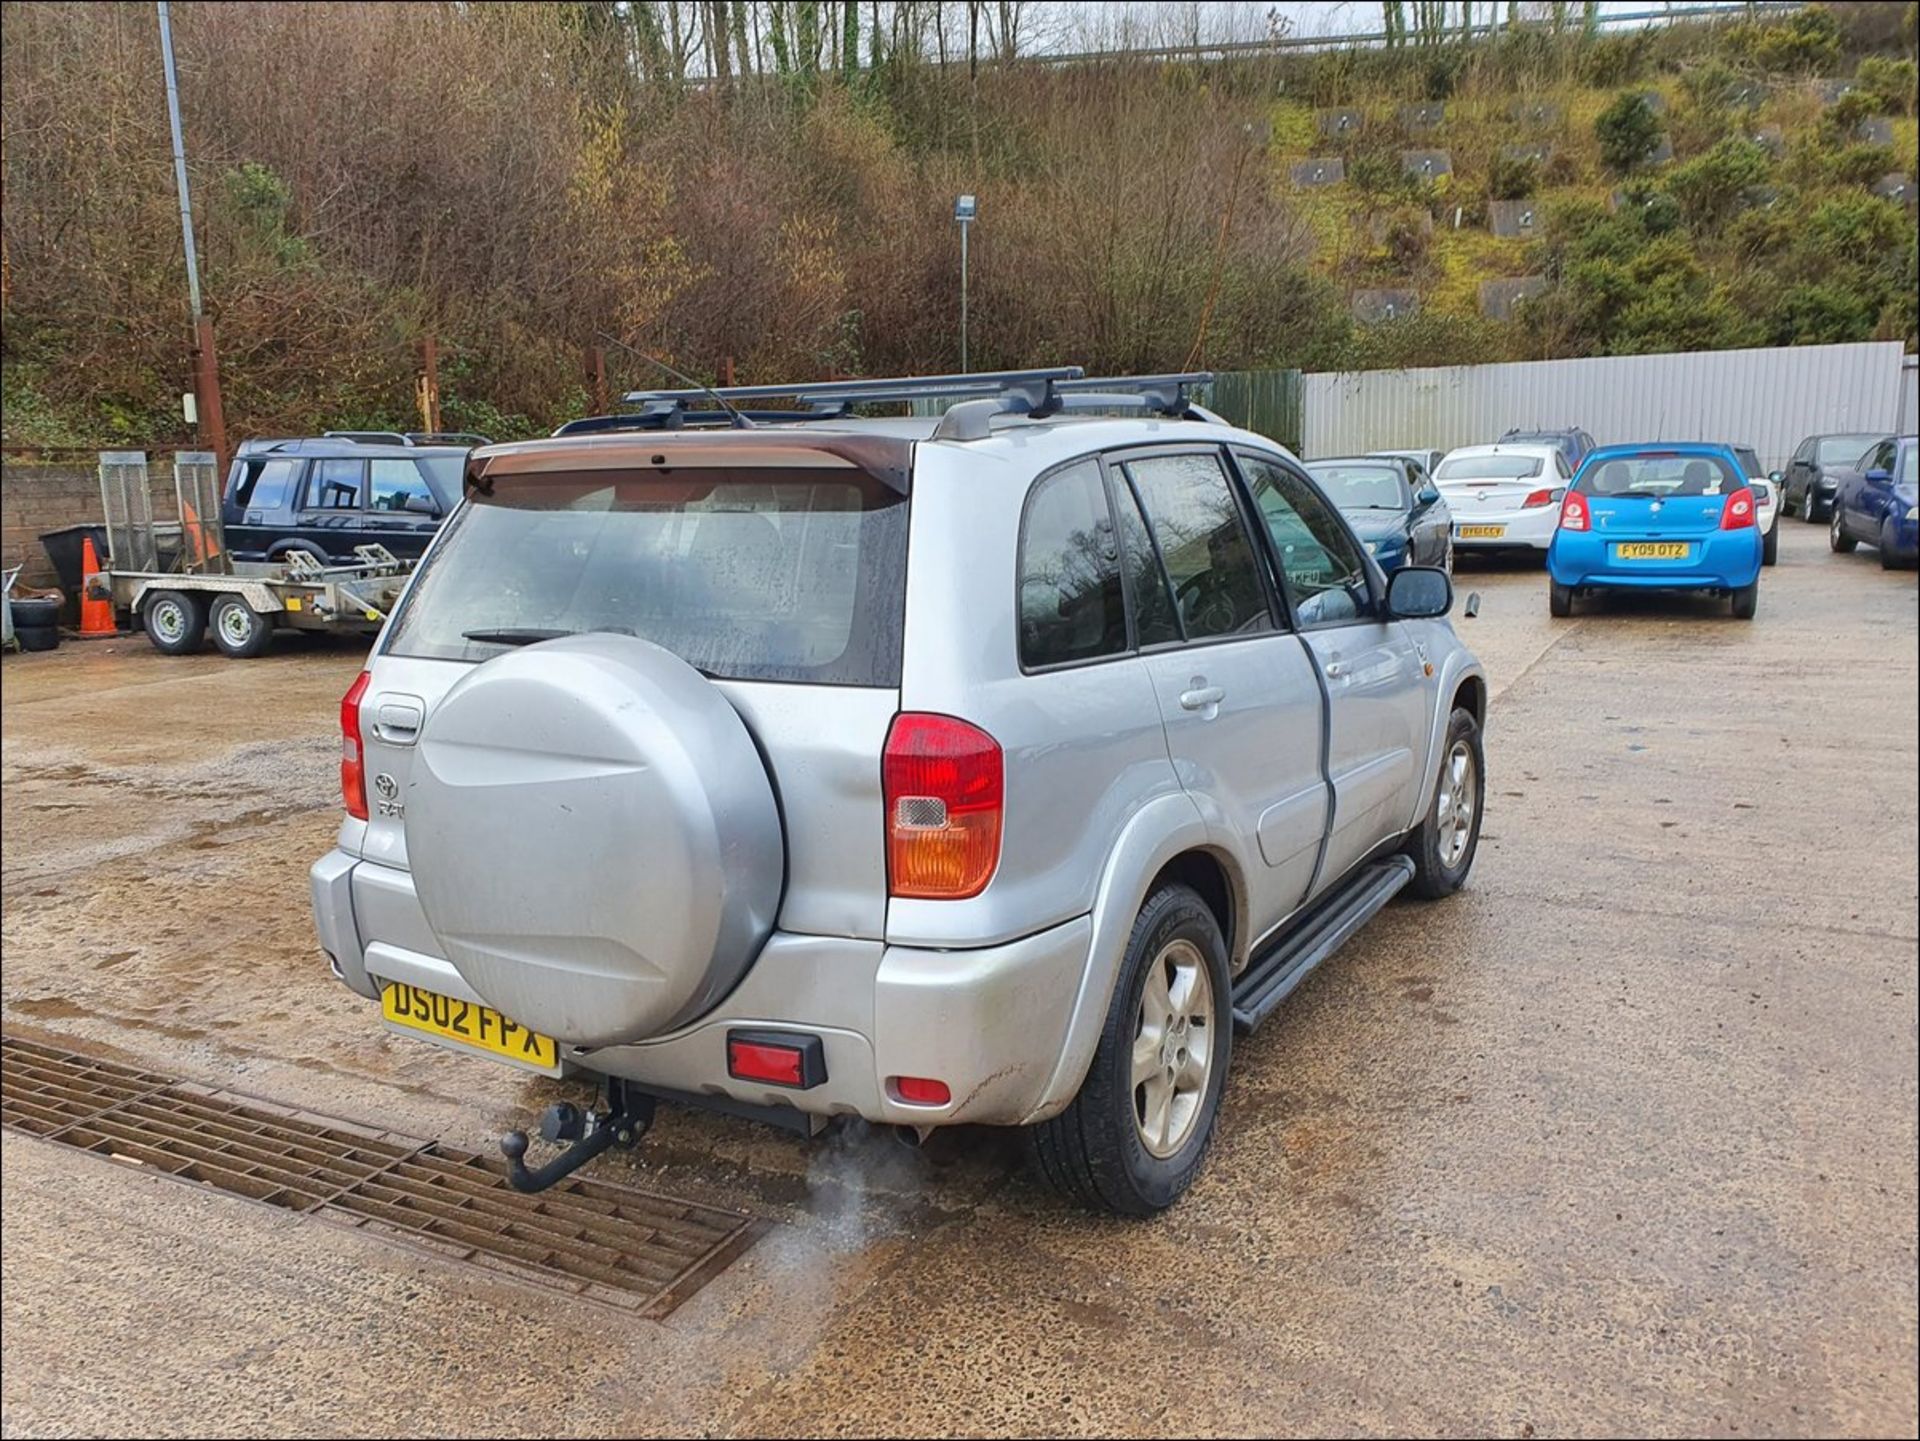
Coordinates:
1657 517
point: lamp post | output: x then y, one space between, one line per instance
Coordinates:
964 210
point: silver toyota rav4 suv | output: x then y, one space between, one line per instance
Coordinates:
996 767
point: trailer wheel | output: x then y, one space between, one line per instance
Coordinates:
238 629
175 621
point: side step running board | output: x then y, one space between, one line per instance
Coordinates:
1272 977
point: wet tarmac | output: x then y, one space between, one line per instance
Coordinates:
1620 1140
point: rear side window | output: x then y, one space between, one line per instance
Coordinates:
399 485
1658 474
266 484
1070 603
746 574
1204 545
335 484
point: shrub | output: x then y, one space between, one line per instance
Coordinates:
1513 177
1709 186
1860 228
1710 86
1861 164
1820 315
1890 81
1629 132
1805 42
1616 59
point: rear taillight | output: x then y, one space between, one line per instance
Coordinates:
1539 498
1574 514
353 769
1737 513
944 784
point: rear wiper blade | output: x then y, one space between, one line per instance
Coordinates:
515 635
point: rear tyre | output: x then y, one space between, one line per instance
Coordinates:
1837 539
1559 599
1746 601
175 621
238 629
1443 846
1132 1141
1770 546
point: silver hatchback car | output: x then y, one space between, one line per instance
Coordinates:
990 768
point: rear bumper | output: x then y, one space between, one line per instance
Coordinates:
1725 560
991 1023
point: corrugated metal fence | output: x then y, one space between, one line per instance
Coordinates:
1267 401
1769 399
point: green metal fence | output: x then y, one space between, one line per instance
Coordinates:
1267 401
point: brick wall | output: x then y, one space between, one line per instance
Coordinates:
36 497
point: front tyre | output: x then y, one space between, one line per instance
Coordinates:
1837 538
1132 1140
1810 507
1444 844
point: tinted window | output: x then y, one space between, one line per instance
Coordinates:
748 574
1203 544
265 484
394 483
1155 621
1659 473
1361 487
335 484
1844 449
1070 605
1488 467
1323 565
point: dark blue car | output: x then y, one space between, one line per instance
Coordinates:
1392 506
1874 503
327 495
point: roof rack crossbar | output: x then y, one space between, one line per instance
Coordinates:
367 437
896 388
677 416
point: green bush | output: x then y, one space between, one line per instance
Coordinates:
1709 186
1890 81
1861 164
1863 229
1629 132
1616 59
1710 86
1805 42
1513 177
1820 315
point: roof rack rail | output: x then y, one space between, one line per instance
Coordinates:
876 391
367 437
448 437
1161 394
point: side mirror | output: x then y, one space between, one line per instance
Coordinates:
1428 494
1877 476
1419 592
1774 476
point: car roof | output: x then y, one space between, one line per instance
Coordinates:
1532 449
329 446
1662 447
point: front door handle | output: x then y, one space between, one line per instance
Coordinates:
1335 669
1204 697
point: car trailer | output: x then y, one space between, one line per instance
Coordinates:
239 604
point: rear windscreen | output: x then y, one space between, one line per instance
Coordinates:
745 574
1488 467
1657 475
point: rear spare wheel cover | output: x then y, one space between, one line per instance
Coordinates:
593 838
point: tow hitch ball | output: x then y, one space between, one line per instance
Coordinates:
626 1119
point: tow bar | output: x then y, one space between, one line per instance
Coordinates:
627 1118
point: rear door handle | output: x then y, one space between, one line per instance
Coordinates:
1201 697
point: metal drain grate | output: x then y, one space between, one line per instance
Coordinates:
608 1243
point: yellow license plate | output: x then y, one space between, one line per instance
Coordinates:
468 1024
1481 532
1653 550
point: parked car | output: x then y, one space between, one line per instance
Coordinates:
1657 517
1089 737
1766 502
1503 497
1393 507
1427 460
326 495
1875 504
1811 476
1573 443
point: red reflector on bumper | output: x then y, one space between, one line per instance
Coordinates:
777 1058
919 1091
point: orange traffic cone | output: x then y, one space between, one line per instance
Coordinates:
96 616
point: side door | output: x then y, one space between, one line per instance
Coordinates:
401 510
258 507
1794 483
330 516
1242 709
1379 697
1872 498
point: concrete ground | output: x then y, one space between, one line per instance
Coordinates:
1621 1140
